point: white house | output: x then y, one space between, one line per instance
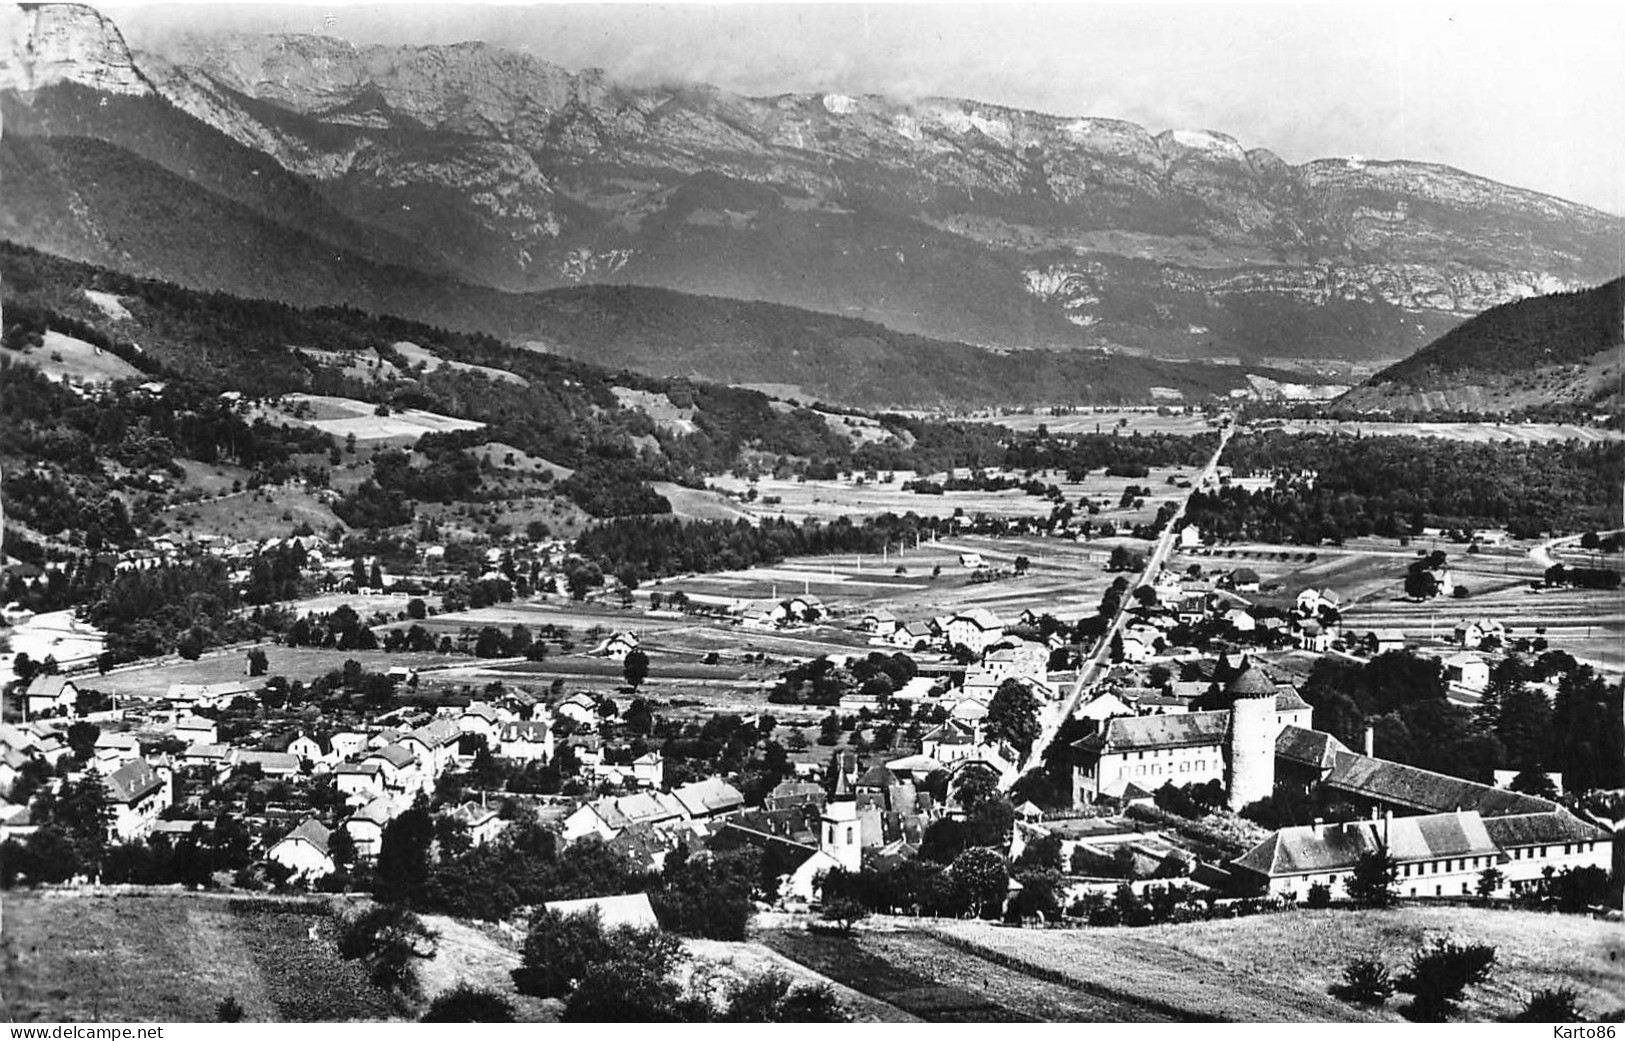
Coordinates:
359 781
51 695
618 646
304 851
529 740
197 730
137 793
974 628
1467 671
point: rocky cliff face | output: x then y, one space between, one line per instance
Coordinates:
947 217
65 43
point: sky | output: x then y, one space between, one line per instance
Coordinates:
1530 95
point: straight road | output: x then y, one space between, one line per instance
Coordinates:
1100 658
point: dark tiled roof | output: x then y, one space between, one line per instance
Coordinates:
1338 847
1180 730
1250 683
1424 790
1536 829
132 781
313 832
1307 747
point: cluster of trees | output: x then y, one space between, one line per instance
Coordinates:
1130 455
185 608
1515 727
818 681
1394 486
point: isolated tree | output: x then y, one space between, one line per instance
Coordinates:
1012 716
635 668
982 879
1490 880
845 911
257 662
1372 882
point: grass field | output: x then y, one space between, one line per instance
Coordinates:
294 663
432 361
344 416
1280 966
173 957
269 512
60 356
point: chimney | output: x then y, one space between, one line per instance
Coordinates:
1387 821
1320 826
1371 741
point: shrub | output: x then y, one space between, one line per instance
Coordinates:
229 1010
1551 1005
1365 982
466 1003
1439 974
1320 895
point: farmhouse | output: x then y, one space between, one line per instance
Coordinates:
192 695
50 696
1380 641
1472 635
617 646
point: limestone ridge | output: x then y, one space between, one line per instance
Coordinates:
65 43
946 217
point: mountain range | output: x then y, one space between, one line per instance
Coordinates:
470 186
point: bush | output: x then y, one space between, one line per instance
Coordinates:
1365 982
1439 974
1320 895
1551 1005
229 1010
466 1003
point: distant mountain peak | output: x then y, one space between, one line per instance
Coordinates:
48 44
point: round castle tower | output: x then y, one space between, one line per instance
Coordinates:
1250 740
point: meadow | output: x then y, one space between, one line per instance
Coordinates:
155 956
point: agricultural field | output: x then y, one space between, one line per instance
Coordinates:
1369 575
173 957
1099 421
951 971
1536 433
827 500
